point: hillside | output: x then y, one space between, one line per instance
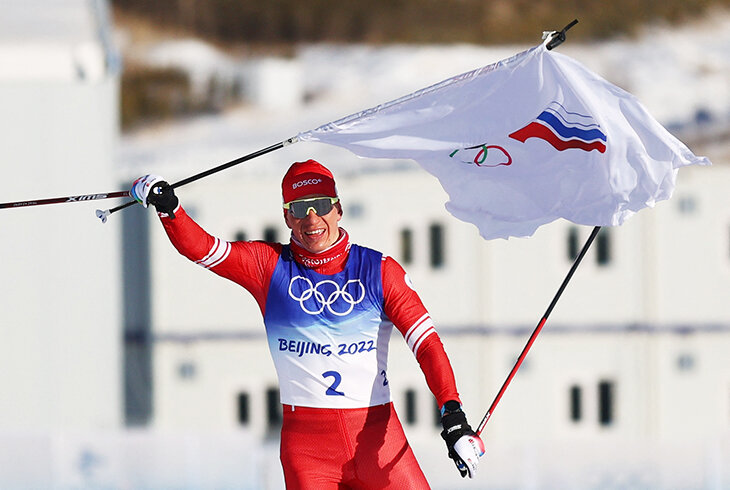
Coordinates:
172 71
405 21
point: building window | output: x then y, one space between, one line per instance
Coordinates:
576 403
685 362
411 407
573 247
406 246
603 247
186 370
191 210
273 409
606 395
355 210
687 205
243 408
524 367
436 243
271 234
240 236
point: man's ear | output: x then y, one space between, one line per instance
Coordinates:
286 220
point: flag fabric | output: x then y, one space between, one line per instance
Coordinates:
523 142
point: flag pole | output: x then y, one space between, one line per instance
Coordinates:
559 37
538 329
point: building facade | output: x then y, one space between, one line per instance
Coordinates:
60 293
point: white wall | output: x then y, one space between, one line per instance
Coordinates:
59 299
60 288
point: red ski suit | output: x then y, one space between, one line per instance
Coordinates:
330 447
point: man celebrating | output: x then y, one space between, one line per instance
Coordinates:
329 307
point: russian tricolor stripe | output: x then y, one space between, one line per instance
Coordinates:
217 254
418 332
564 129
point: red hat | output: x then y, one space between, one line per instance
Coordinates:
307 178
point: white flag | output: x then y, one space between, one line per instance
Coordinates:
523 142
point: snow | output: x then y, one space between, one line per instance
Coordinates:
198 59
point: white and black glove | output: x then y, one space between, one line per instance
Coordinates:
464 445
152 189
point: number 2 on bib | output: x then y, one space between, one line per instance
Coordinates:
332 390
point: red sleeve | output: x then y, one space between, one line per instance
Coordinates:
405 309
249 264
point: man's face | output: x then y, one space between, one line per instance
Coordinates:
315 233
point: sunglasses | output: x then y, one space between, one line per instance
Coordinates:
300 208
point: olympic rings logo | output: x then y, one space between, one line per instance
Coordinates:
480 156
314 298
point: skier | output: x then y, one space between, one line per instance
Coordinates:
329 307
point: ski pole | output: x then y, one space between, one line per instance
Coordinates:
537 330
60 200
103 215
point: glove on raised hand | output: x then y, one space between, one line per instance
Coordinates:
151 189
464 445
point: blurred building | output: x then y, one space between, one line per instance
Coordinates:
60 351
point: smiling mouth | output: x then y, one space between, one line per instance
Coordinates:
314 233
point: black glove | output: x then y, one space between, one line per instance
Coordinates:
163 198
455 427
